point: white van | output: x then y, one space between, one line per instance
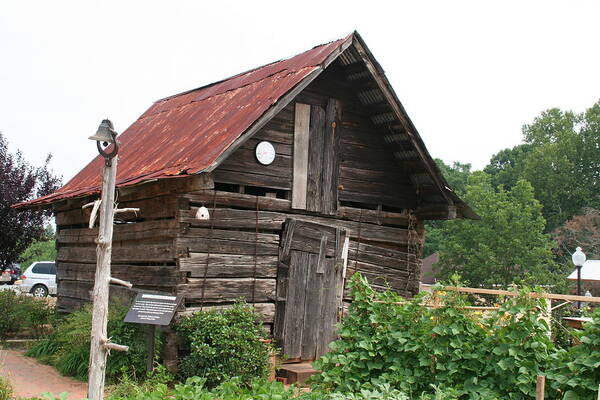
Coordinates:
39 279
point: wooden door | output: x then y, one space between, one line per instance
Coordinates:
310 288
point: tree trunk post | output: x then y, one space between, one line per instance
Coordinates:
540 387
98 351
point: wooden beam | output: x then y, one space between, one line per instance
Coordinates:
400 113
551 296
274 204
301 143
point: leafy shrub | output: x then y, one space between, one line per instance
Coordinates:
411 347
223 344
195 388
24 313
576 374
234 389
68 348
6 391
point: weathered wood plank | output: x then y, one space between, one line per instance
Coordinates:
147 275
244 160
266 311
138 231
228 265
315 159
222 246
168 187
329 194
66 304
154 208
273 204
301 143
251 179
280 148
203 233
120 254
267 220
281 296
227 290
328 314
312 308
295 305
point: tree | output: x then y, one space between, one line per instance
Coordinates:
561 160
506 166
506 246
580 231
43 249
457 175
20 181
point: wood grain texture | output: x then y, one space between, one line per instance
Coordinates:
228 266
229 199
227 290
301 143
331 144
267 220
295 304
120 254
315 159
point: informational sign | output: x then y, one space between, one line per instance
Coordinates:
153 309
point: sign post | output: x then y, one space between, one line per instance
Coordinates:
152 309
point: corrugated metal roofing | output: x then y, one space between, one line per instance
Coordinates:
191 132
186 133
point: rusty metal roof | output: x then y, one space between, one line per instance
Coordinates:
192 132
186 133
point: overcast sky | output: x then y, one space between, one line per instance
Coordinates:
469 73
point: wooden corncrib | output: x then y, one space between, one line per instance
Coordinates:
347 191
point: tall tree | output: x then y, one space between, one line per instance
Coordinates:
506 246
457 175
20 181
561 160
506 166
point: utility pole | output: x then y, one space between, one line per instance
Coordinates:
100 345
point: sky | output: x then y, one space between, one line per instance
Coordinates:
469 73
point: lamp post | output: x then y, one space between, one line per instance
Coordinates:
578 259
104 137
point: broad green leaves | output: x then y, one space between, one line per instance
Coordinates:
413 347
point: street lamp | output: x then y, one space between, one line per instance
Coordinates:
578 259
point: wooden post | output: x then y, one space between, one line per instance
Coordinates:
150 348
540 387
98 349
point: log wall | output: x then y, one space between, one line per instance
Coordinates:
143 249
235 253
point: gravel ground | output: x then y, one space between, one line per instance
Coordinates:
30 378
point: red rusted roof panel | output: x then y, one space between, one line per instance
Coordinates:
186 133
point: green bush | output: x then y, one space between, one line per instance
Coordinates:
6 391
68 348
412 347
223 344
195 388
576 374
157 388
24 314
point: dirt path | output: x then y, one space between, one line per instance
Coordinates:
30 378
